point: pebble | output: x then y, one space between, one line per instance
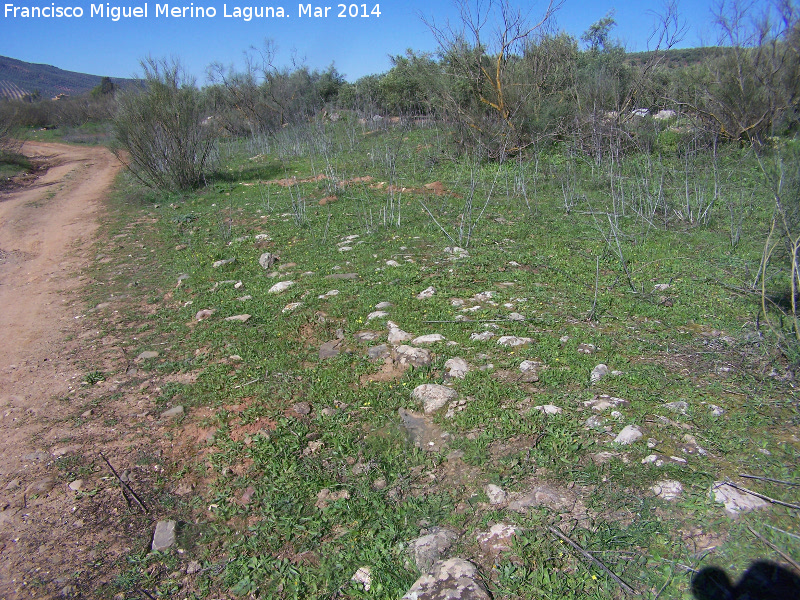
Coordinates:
291 307
378 314
668 489
147 354
430 338
628 435
280 287
77 485
164 536
496 494
513 341
427 293
174 412
238 318
221 263
433 396
456 368
204 313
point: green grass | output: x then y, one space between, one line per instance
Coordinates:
280 544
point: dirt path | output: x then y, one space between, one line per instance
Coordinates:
46 230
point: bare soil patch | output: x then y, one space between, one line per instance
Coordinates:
54 420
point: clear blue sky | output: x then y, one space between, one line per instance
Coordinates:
358 46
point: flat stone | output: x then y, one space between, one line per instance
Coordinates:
513 341
302 408
679 407
498 539
529 365
383 305
377 314
147 354
291 307
330 349
452 579
456 368
422 431
280 287
628 435
515 316
41 486
238 318
379 351
408 356
481 337
363 575
76 486
430 338
542 495
344 276
367 336
164 536
548 409
392 263
668 489
496 494
222 263
429 548
433 396
586 348
172 413
736 501
428 292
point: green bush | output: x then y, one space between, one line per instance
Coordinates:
160 128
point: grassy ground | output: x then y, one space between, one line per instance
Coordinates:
583 267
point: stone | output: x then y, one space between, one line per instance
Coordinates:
430 338
325 496
302 408
628 435
342 276
367 336
735 500
548 409
542 495
604 402
266 260
87 413
497 540
408 356
38 455
513 341
329 294
280 287
378 314
663 115
193 567
392 263
238 318
41 486
379 351
595 422
164 536
496 494
76 486
527 366
204 313
433 396
668 489
679 407
222 263
456 368
292 306
429 548
515 316
451 579
455 252
383 305
147 354
482 337
422 432
397 335
598 373
716 410
173 413
426 293
330 349
363 575
586 348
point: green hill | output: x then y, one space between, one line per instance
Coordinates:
19 78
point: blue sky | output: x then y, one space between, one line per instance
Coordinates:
358 46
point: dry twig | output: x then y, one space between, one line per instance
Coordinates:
124 485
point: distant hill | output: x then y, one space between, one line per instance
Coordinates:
18 78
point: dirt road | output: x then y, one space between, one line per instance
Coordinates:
46 230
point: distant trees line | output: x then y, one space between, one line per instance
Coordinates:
503 82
